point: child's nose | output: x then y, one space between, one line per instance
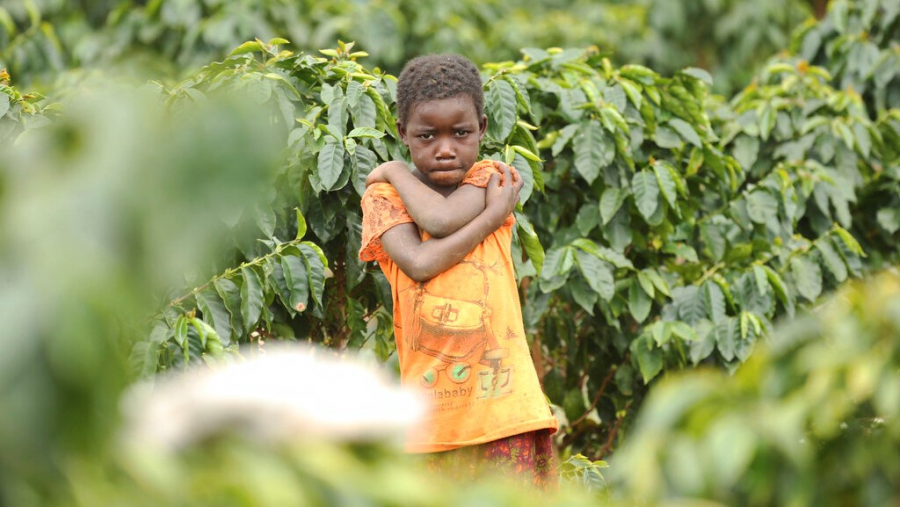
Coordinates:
445 149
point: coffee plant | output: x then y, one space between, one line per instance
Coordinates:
811 418
662 226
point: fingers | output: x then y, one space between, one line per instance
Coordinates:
506 176
519 184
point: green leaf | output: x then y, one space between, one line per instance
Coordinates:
315 269
686 252
762 280
594 150
646 193
296 278
639 304
501 104
714 300
705 343
368 132
277 281
761 206
559 262
660 332
526 153
686 131
610 202
807 277
231 296
667 138
727 338
666 184
849 240
646 284
861 133
215 313
265 219
833 260
689 303
649 358
4 104
766 121
889 219
632 91
530 241
683 331
843 131
698 73
301 224
565 135
180 330
597 273
330 163
587 218
746 151
251 297
715 241
615 95
658 281
365 112
777 284
583 295
247 47
611 256
318 250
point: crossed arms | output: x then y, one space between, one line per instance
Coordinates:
457 222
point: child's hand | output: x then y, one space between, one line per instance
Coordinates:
502 192
382 173
500 165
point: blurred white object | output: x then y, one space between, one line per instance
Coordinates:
285 395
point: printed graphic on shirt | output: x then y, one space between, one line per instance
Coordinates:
458 333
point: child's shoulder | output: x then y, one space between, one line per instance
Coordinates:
480 173
382 192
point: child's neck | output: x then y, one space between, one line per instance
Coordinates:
445 191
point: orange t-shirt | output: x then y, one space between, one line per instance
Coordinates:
460 338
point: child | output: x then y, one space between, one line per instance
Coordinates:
442 236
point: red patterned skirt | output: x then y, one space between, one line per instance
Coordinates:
525 459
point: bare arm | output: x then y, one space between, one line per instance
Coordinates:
434 213
422 260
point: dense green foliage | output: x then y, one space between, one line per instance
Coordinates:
730 38
811 419
40 38
662 227
101 211
858 43
676 227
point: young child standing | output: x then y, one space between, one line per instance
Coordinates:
442 236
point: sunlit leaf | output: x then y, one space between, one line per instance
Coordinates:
215 313
646 193
597 273
330 163
251 297
594 150
807 276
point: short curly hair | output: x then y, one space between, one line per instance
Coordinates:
436 77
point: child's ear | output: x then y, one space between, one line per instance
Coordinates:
401 129
482 127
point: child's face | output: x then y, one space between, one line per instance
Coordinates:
443 137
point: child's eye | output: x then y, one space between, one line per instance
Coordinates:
426 136
462 133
